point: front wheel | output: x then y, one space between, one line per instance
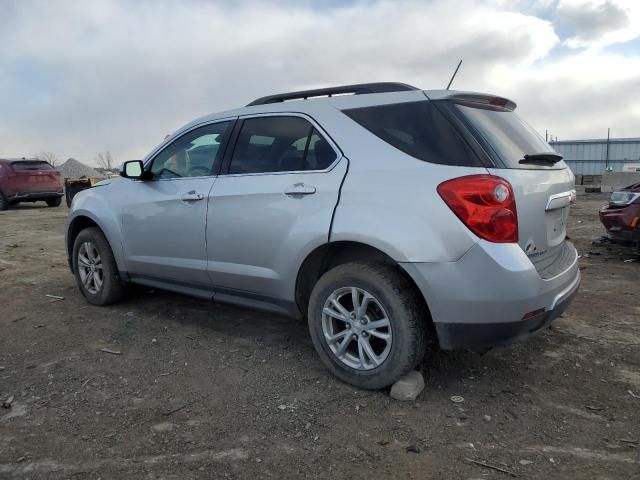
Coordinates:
368 324
95 268
54 202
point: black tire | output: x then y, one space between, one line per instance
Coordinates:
404 307
113 288
54 202
4 203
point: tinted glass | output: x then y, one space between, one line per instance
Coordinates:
279 144
418 129
192 155
320 155
506 134
31 165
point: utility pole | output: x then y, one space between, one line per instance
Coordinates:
606 161
546 135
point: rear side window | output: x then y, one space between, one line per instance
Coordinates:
280 144
30 165
320 155
506 134
418 129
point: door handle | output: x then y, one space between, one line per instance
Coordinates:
192 196
300 189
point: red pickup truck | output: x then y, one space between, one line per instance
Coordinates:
29 181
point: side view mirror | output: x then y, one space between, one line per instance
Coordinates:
133 169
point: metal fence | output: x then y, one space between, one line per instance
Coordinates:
595 167
595 156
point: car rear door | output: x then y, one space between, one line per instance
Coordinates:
272 203
543 185
164 216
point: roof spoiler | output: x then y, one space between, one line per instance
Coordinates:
488 100
358 89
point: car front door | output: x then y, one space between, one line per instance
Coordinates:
273 201
164 217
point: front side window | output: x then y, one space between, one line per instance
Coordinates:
192 155
279 144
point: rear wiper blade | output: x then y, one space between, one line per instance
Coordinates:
551 158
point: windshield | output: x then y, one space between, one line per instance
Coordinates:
30 165
506 134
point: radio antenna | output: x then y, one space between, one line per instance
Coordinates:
454 74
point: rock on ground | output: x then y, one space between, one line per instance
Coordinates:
408 387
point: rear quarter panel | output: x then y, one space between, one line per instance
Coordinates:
389 199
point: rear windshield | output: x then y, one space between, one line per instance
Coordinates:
506 135
30 165
418 129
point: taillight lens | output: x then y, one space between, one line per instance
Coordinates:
485 204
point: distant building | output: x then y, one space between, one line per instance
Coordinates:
593 157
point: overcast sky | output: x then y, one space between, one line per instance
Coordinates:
78 78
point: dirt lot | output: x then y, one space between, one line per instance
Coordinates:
200 390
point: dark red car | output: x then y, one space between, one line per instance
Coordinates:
621 217
29 181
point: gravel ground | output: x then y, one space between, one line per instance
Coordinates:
188 389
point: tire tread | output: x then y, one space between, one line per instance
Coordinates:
113 289
416 316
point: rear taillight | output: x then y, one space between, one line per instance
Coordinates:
485 204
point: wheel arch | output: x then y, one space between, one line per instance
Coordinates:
329 255
79 223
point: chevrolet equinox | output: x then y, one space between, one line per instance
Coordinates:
394 219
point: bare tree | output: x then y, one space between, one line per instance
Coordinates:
105 160
48 157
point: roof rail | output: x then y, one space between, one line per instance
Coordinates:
359 89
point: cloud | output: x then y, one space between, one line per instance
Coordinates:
83 77
581 96
598 23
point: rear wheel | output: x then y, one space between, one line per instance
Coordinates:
95 268
4 203
54 202
367 323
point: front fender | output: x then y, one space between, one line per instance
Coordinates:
92 204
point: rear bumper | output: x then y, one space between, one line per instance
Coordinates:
483 336
34 196
482 300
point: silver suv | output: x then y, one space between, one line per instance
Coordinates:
392 218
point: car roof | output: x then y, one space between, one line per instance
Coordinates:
12 160
314 105
340 102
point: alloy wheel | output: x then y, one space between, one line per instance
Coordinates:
357 328
90 268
